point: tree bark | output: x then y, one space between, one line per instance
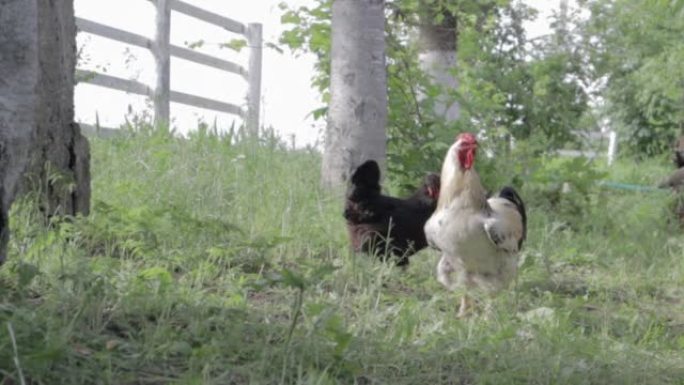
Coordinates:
358 86
18 83
438 47
41 147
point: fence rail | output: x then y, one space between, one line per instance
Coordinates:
610 152
162 51
206 16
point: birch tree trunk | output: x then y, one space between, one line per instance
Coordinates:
358 88
41 148
60 155
438 48
18 82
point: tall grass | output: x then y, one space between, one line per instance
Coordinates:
206 262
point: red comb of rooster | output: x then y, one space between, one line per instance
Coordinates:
466 137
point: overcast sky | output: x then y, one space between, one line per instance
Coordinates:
287 97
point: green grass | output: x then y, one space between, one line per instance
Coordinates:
209 263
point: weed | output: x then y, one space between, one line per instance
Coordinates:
215 261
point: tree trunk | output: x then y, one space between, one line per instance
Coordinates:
18 83
40 145
438 46
358 86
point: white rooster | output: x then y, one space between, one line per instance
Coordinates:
479 238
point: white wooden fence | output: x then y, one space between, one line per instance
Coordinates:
611 150
162 51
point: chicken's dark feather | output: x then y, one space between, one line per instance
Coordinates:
374 219
511 195
367 176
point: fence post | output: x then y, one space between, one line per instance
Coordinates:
162 59
612 146
254 40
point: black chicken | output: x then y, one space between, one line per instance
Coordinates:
382 225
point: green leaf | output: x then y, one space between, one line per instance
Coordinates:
319 113
292 39
194 44
274 47
235 44
290 17
292 279
26 272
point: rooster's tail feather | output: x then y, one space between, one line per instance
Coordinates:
511 195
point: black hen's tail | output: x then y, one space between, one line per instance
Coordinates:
362 191
510 194
367 175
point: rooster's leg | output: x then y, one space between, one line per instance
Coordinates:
467 302
444 272
464 309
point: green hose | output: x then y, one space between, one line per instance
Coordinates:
630 187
